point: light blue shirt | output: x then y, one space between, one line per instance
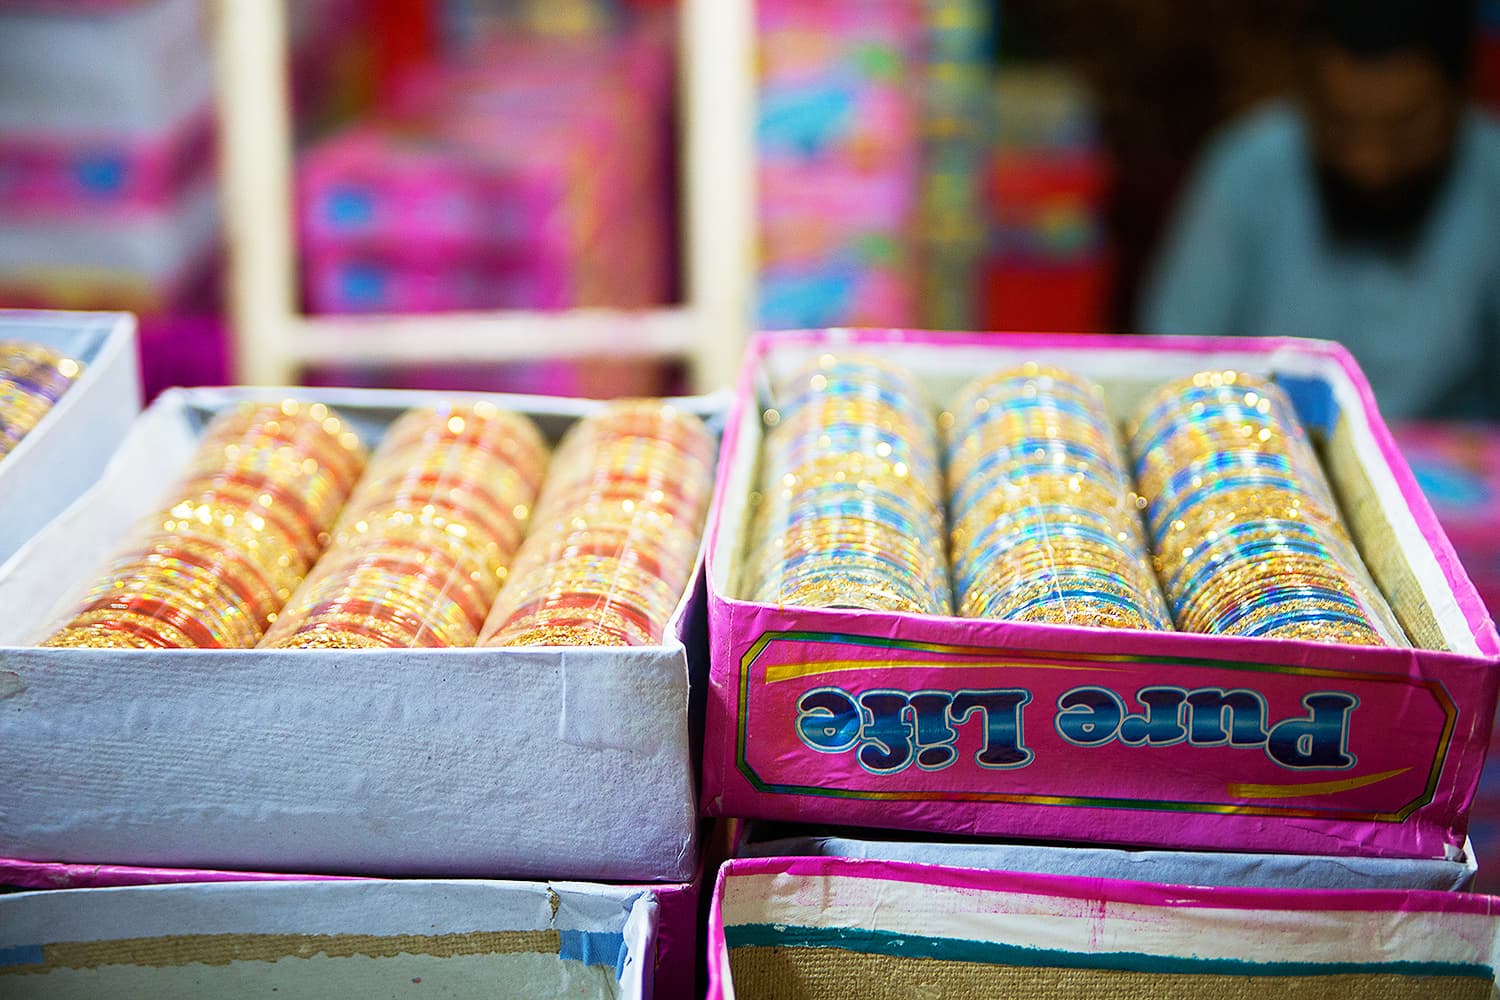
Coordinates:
1247 256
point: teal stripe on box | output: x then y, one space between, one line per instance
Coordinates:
998 953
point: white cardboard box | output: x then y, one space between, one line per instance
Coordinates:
66 451
320 939
557 763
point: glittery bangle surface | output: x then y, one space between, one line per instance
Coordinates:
1043 526
1246 534
849 510
213 567
616 532
427 537
32 379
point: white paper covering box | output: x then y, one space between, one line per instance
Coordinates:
1221 868
556 763
829 928
675 951
320 939
70 446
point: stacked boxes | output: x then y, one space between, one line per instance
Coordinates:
1048 263
477 762
106 155
845 712
1124 758
464 198
956 136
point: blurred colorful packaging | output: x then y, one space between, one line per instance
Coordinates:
1458 468
106 155
465 20
1048 266
461 196
329 64
957 134
588 378
839 159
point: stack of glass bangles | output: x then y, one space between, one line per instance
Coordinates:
428 537
616 532
213 568
32 379
1245 529
850 508
1043 525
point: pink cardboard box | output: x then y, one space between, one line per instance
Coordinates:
1225 868
374 184
826 928
970 727
47 176
407 280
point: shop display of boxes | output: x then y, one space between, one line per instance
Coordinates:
365 938
106 155
814 928
157 791
463 198
66 452
1385 768
539 762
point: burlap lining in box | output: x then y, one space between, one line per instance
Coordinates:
800 973
221 949
1377 543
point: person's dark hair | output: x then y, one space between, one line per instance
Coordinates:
1371 29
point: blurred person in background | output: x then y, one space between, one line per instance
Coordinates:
1366 210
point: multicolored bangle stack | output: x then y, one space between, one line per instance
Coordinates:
616 532
32 379
850 511
215 566
1246 532
1042 521
428 537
